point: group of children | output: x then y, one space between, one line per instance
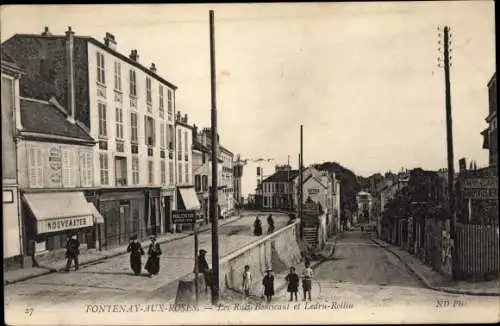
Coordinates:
292 280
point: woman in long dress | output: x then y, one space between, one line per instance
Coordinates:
136 251
268 283
153 263
257 227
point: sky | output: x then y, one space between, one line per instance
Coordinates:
362 78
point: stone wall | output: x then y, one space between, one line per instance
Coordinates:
278 251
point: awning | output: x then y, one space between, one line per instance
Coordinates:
98 218
190 199
59 211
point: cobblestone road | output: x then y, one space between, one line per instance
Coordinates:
112 280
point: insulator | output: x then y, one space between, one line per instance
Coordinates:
439 49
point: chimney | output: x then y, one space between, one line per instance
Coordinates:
134 55
46 32
185 117
195 133
178 115
153 67
110 41
71 74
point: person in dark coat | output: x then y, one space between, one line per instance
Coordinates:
136 251
257 227
293 283
270 223
268 283
153 262
204 268
72 252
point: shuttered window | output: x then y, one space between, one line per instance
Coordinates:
35 167
86 169
104 167
69 167
170 173
163 176
135 170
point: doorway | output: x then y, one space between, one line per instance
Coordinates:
167 214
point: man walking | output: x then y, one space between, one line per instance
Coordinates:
72 252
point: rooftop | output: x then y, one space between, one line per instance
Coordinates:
282 176
49 118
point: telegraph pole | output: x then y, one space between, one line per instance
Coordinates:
215 150
449 142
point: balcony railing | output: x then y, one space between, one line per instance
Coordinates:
121 182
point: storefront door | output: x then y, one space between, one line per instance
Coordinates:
167 214
124 220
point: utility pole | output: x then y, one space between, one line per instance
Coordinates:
449 142
215 151
301 186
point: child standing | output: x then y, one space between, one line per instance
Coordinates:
293 283
247 280
268 283
306 281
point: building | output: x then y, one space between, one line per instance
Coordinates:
237 180
364 202
227 181
490 134
127 107
55 155
277 189
201 172
12 226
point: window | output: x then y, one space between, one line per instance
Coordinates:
86 169
149 130
186 174
162 135
68 168
133 83
197 183
135 170
186 147
170 137
169 101
179 145
133 127
204 182
119 123
179 172
148 89
160 99
104 167
35 167
170 173
120 171
162 173
103 130
150 172
100 68
118 76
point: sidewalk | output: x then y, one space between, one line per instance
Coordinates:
94 256
436 281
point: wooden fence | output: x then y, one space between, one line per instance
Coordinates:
478 251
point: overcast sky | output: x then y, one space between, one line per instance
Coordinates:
362 78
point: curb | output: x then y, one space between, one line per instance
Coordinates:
108 256
426 282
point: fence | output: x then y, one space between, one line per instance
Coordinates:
478 251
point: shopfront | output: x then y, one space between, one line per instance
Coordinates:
52 217
187 201
167 205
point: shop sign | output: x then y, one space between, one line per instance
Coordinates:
64 224
481 193
183 217
313 191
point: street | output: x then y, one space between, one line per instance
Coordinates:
113 280
365 274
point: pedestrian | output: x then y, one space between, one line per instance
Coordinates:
306 281
257 227
293 283
154 253
268 283
136 251
72 252
270 223
247 280
204 268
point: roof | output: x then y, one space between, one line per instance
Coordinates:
9 63
47 118
315 178
492 79
200 147
282 176
106 48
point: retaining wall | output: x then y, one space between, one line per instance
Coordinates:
278 251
